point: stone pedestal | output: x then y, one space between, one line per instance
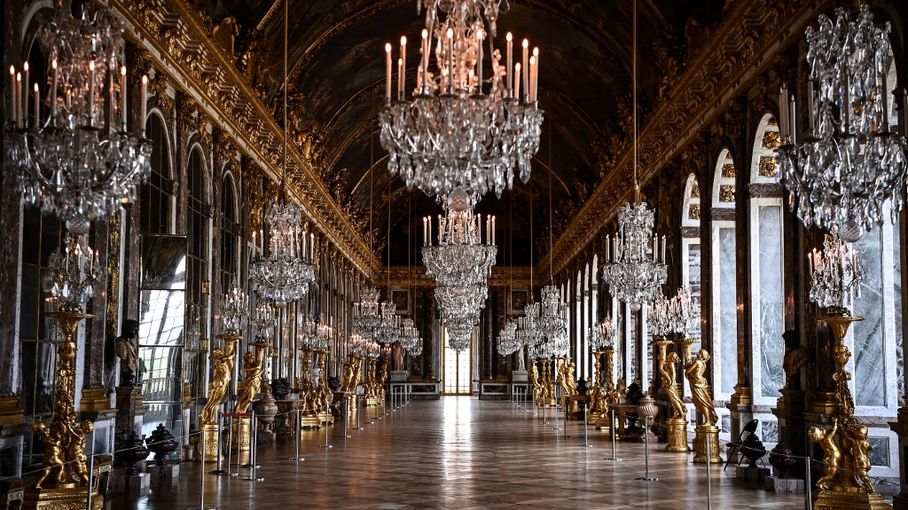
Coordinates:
130 411
167 476
833 500
677 435
240 435
212 442
399 376
94 400
783 485
519 376
752 474
61 498
134 485
707 433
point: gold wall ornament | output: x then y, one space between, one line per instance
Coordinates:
222 370
846 449
253 368
769 166
64 481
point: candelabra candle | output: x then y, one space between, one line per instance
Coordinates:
836 275
264 320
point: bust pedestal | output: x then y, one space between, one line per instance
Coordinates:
519 376
677 435
706 433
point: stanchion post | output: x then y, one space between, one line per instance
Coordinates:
219 471
230 445
808 483
297 436
326 445
91 469
709 478
202 475
646 477
612 430
253 442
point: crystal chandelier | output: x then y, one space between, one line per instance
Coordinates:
507 339
460 301
324 332
75 157
460 329
851 161
236 310
635 267
553 322
284 274
307 332
603 335
264 321
409 335
836 274
366 313
389 325
527 328
74 273
463 255
460 131
415 349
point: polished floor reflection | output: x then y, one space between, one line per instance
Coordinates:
462 453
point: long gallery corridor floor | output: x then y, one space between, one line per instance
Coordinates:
461 453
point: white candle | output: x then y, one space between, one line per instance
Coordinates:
663 248
91 93
53 91
18 93
811 107
37 108
810 262
532 73
429 239
516 91
493 230
123 97
450 41
24 105
403 64
608 240
143 100
479 37
12 107
655 247
312 246
388 72
793 119
400 79
535 75
510 39
526 69
783 112
425 60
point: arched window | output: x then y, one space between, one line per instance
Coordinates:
197 226
766 268
156 195
230 234
724 308
690 244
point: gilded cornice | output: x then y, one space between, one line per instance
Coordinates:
180 43
743 46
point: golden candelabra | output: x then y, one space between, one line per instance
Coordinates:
846 450
309 393
598 403
611 392
63 483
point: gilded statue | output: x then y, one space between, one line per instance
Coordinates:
222 361
534 380
699 387
253 367
670 384
831 453
53 454
568 380
75 451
